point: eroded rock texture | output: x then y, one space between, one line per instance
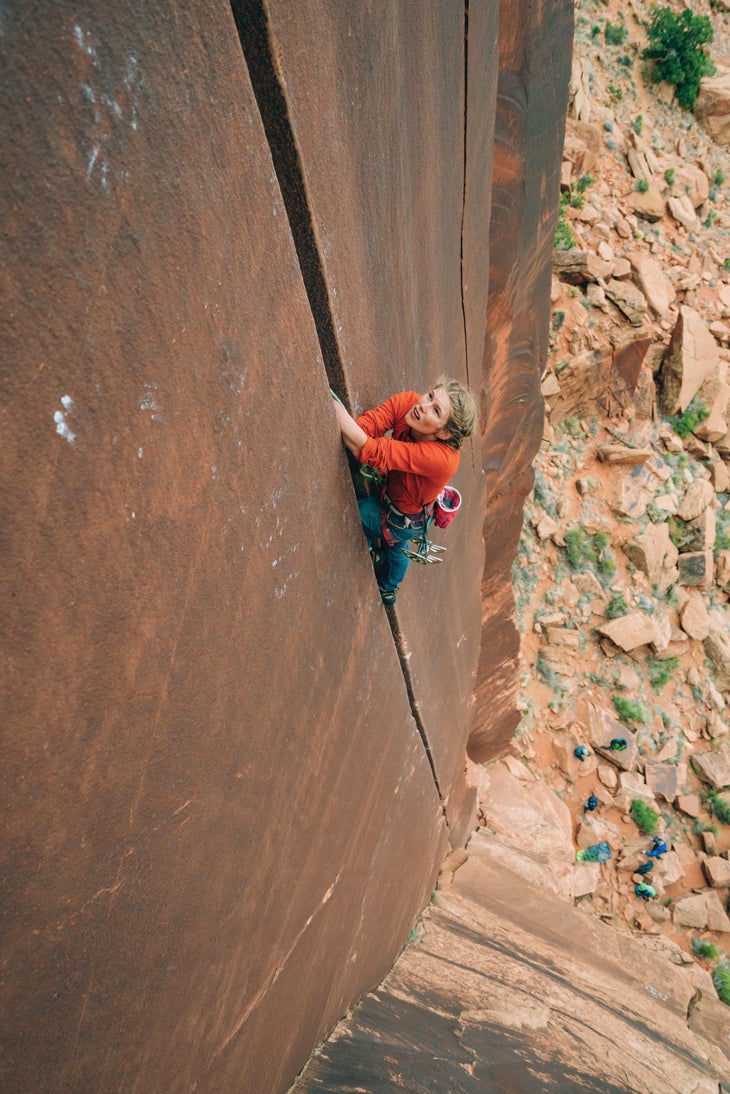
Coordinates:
511 989
228 782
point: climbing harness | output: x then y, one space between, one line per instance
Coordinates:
424 551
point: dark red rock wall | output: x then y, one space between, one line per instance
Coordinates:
228 785
535 43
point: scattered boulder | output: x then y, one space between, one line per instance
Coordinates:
630 300
695 568
713 766
637 629
670 867
713 107
717 646
654 284
586 878
713 400
652 551
689 804
694 620
580 267
689 359
717 917
649 205
717 872
662 780
681 208
691 911
696 499
692 181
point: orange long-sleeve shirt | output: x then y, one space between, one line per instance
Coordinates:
416 471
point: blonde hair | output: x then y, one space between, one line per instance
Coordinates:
464 416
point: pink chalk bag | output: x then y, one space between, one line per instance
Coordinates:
447 505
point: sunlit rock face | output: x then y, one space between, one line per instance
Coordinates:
230 777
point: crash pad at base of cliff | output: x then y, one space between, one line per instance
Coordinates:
510 988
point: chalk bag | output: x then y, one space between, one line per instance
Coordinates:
448 504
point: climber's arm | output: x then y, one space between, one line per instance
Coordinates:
353 436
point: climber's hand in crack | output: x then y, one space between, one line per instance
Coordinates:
353 436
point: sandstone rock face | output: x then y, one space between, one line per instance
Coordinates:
714 766
717 645
655 286
689 360
713 106
538 1003
221 818
652 551
526 167
630 300
632 630
717 871
649 205
691 911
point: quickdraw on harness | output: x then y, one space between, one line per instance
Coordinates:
442 512
424 551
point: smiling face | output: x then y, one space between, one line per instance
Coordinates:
429 417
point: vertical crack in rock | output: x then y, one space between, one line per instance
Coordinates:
259 53
404 655
463 190
254 34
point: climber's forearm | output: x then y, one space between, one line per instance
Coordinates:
353 436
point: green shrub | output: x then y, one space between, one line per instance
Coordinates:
677 52
629 710
642 185
615 92
547 674
707 950
571 426
721 980
718 807
584 182
557 320
660 672
595 30
615 34
577 201
644 817
564 240
669 176
589 551
617 606
638 125
718 178
722 535
685 423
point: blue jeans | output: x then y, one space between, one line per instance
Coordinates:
391 564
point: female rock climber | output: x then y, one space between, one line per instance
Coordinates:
417 461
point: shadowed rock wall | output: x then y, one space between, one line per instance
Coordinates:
229 783
535 39
512 990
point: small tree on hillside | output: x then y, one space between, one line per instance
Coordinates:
677 51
